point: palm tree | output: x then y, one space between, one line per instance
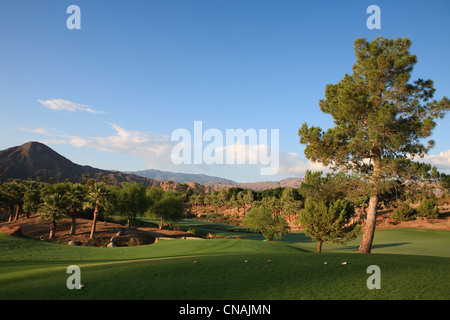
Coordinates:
53 208
32 197
97 198
248 198
13 192
75 197
196 200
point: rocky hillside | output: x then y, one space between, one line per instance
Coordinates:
34 160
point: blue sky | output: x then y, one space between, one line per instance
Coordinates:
138 70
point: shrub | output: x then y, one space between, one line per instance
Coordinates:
329 221
428 209
263 220
212 216
193 230
196 232
403 212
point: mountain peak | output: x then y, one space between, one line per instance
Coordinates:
34 146
33 160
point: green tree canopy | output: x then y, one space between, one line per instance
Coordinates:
12 194
272 226
32 197
329 221
54 207
132 201
168 208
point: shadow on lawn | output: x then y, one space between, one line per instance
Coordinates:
375 246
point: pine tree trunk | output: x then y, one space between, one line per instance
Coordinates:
319 247
369 228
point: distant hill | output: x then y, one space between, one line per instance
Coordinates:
213 182
263 185
179 177
257 186
35 160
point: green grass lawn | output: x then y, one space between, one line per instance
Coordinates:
403 241
33 269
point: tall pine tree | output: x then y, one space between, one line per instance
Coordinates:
380 121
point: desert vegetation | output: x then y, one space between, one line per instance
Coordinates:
327 207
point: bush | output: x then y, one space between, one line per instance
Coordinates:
212 216
329 221
193 230
263 220
428 209
403 212
196 232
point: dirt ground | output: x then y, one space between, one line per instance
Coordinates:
441 223
105 231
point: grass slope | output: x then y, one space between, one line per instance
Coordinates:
397 241
32 269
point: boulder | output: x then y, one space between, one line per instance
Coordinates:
133 242
111 245
15 231
74 243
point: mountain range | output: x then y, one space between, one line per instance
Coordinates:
35 160
216 182
179 177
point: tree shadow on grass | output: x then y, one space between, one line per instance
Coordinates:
375 246
297 237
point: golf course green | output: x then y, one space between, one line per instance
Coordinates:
413 264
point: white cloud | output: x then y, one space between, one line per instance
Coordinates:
42 131
155 150
239 153
292 165
441 160
60 104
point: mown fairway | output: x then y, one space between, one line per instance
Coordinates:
215 269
